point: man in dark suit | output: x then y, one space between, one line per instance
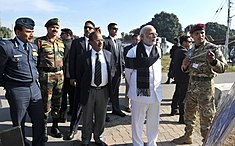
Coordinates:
19 76
94 73
79 46
172 52
114 46
181 78
134 41
68 90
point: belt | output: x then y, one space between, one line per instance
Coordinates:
98 88
50 69
195 78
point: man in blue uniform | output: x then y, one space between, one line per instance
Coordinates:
19 76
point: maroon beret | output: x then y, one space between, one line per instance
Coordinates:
197 27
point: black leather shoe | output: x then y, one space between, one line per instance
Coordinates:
174 112
127 109
173 82
85 144
181 120
70 135
168 81
101 143
45 136
119 113
107 119
56 132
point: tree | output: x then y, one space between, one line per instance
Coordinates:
215 30
5 32
167 25
135 31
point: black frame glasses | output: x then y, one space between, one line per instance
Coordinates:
89 27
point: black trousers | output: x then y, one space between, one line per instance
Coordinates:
183 87
68 91
76 114
115 96
21 102
175 98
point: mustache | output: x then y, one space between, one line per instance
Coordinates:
54 31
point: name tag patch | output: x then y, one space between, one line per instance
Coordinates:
16 56
195 65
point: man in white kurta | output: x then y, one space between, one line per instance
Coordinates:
145 107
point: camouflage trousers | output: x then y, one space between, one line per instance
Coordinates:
199 98
51 87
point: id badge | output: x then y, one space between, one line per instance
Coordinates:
195 65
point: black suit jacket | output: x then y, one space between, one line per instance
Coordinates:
67 46
179 56
109 45
84 74
125 50
77 48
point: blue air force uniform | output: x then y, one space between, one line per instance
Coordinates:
19 76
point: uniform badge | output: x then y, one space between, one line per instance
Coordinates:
34 53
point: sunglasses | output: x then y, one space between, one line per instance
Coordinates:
88 27
115 28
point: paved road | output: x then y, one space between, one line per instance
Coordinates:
118 131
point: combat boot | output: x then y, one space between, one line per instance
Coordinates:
185 139
55 129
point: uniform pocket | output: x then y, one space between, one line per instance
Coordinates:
16 61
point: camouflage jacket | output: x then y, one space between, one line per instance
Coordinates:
200 67
50 54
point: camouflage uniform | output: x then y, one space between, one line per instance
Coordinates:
200 94
51 77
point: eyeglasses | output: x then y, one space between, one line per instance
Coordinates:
115 28
88 27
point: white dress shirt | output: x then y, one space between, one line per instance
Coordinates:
104 71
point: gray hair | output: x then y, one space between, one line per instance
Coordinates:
145 29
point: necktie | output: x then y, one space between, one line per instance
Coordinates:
116 49
97 79
25 47
88 46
